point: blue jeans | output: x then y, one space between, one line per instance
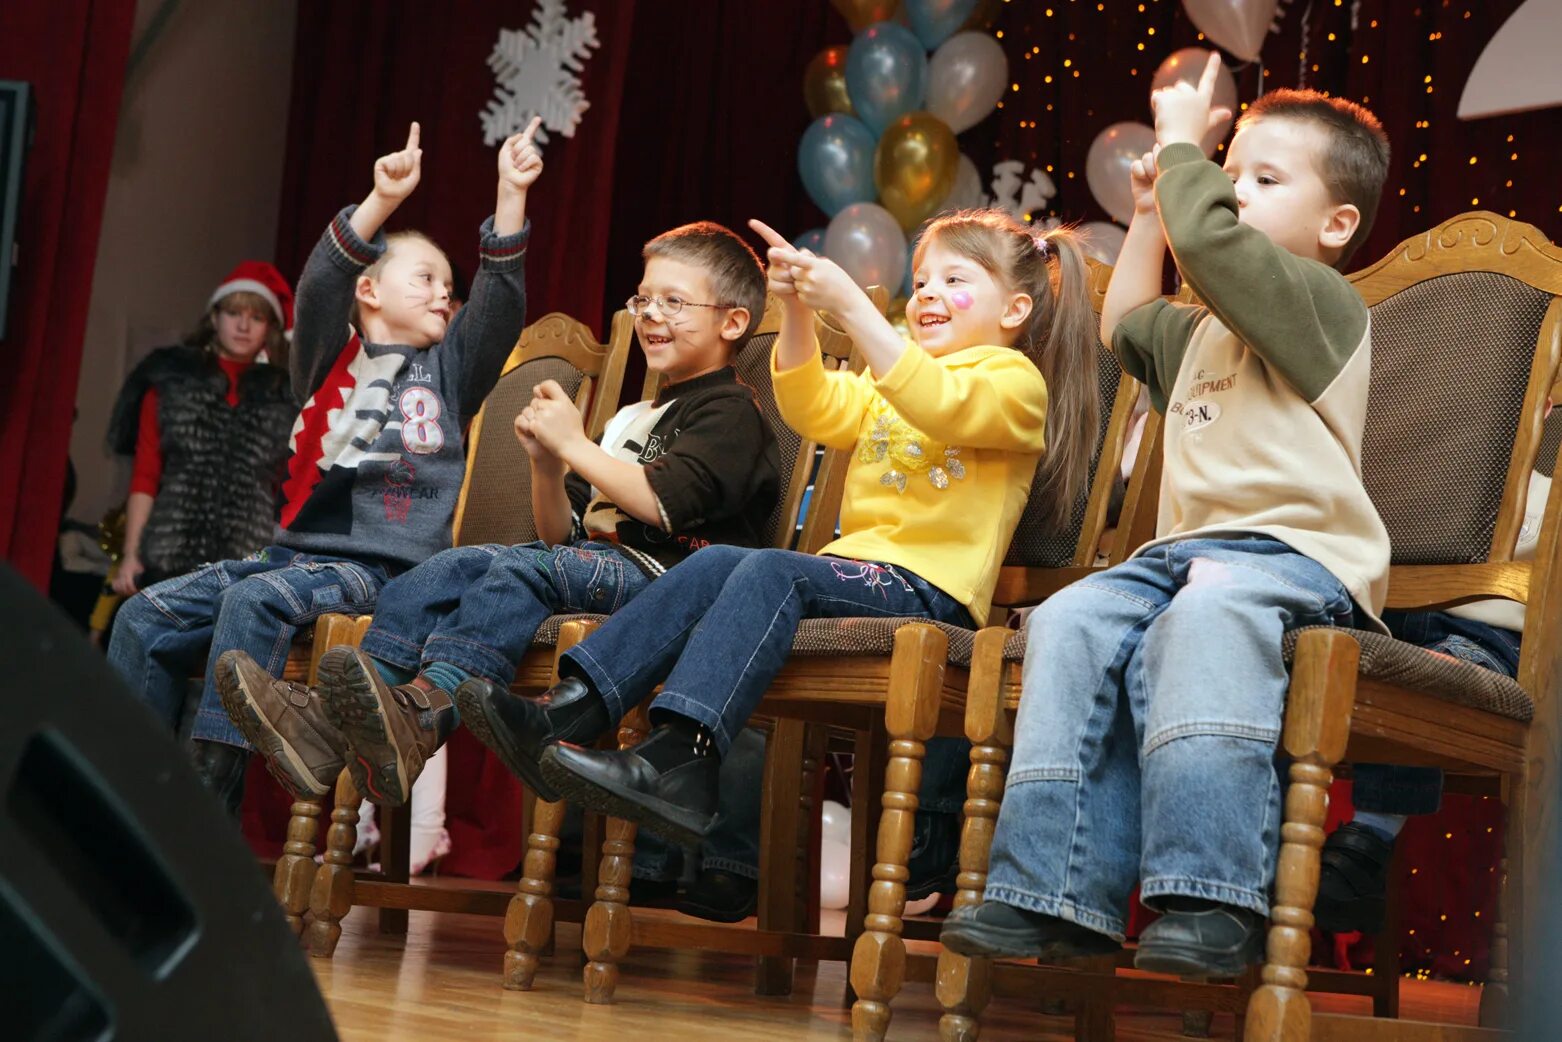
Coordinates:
1391 789
256 605
1144 748
478 607
716 629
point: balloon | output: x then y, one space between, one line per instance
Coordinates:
935 21
984 15
866 240
886 74
835 159
896 313
914 167
835 822
1186 66
860 14
835 874
965 79
927 904
967 192
824 82
811 240
1237 25
1101 240
1106 166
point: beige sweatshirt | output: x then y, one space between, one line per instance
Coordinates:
1264 389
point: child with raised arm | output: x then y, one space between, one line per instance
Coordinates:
946 431
1144 749
388 380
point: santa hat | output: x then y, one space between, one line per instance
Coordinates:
264 281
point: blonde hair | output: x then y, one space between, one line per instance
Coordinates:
1060 338
392 240
205 332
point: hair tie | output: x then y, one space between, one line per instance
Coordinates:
1043 246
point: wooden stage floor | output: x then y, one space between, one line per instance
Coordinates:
441 982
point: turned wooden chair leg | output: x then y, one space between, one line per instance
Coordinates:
295 871
964 985
528 921
1317 724
605 935
332 896
911 716
780 809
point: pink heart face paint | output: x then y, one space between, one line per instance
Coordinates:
962 299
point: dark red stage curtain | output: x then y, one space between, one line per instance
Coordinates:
73 53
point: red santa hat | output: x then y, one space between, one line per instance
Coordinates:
264 281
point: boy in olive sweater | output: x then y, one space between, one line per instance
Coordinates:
1145 743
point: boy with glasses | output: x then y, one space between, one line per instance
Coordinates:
697 465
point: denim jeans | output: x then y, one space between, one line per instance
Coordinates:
1392 789
162 634
716 629
478 607
1144 747
733 841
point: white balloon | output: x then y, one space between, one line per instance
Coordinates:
1101 240
922 906
835 863
835 822
967 192
965 78
1237 25
1186 66
1107 166
867 241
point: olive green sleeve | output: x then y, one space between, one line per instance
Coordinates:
1151 341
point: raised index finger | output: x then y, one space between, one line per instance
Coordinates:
529 132
1211 70
413 135
769 234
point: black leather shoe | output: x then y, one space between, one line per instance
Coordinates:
935 855
1353 881
1216 942
677 804
221 768
993 930
721 897
518 729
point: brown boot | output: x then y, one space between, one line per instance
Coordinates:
392 731
285 722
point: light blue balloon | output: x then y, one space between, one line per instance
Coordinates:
935 21
835 159
811 240
886 74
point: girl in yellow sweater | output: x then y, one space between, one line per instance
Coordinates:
946 430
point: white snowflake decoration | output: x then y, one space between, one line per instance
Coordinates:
1021 197
538 69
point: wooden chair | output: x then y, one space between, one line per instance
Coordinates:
606 933
494 506
1446 459
894 683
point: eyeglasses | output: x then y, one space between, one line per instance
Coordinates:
669 306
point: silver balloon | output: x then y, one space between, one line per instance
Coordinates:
967 192
1101 240
866 240
1186 66
966 77
1238 26
1107 166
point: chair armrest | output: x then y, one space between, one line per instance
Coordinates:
1431 587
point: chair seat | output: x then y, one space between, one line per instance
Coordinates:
820 638
1405 665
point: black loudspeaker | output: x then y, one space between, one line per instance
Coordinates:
130 907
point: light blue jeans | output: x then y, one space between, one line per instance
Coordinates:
1144 749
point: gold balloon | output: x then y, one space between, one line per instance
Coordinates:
860 14
914 167
824 82
897 316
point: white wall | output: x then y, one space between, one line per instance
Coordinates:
195 188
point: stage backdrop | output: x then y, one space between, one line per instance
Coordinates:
696 110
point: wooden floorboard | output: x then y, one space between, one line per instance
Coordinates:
440 982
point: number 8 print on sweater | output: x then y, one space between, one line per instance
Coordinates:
420 412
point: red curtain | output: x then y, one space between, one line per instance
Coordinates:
73 53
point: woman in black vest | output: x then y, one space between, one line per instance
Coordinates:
208 423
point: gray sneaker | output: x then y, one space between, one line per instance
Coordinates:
285 722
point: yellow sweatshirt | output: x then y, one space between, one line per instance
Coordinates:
945 452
